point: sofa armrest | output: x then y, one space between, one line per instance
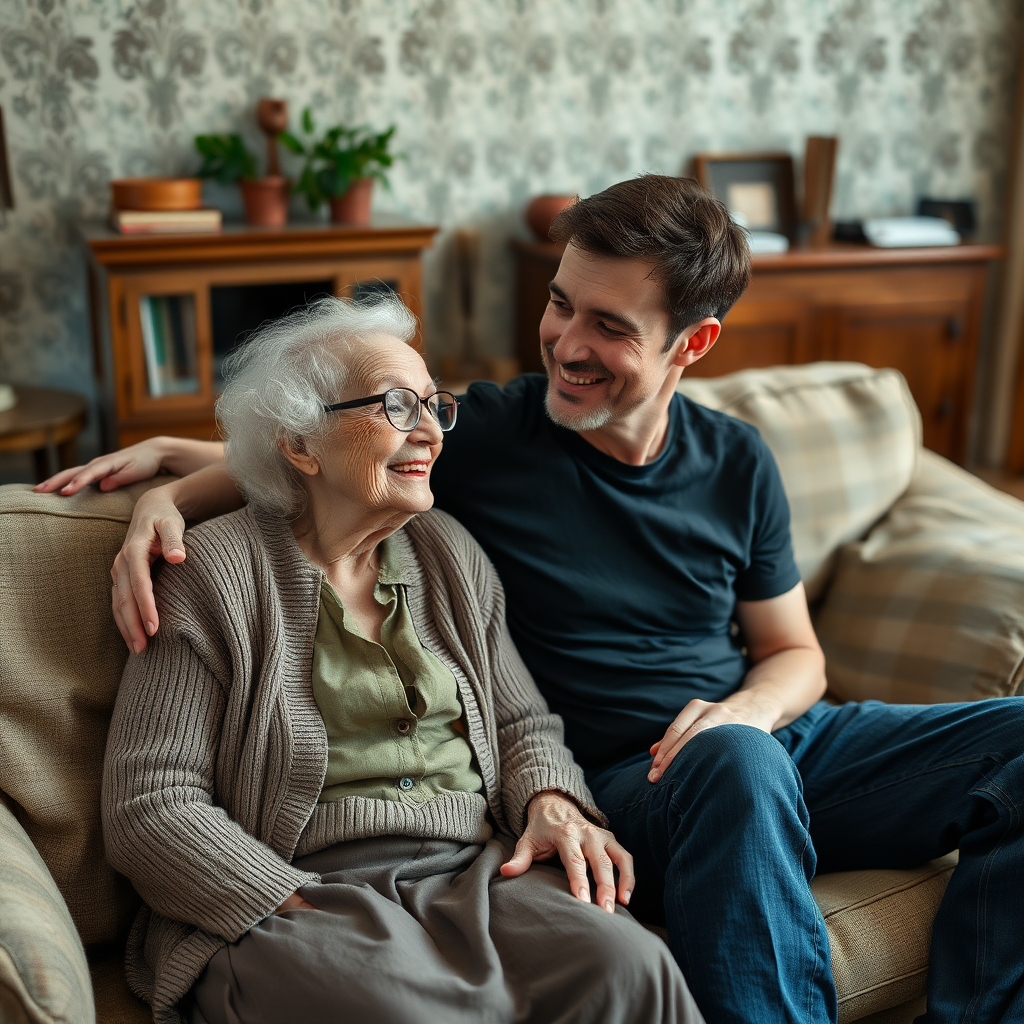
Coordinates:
929 607
44 978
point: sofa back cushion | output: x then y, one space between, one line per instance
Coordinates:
929 606
846 438
60 666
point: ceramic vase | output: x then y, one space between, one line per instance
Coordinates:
542 210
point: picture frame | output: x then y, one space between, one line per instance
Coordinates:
819 182
756 187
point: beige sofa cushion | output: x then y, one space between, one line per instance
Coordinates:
846 438
879 929
44 978
60 666
929 607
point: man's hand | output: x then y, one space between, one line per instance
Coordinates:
141 461
294 902
156 530
787 676
698 715
557 826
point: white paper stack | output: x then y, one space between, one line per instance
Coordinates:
767 241
899 232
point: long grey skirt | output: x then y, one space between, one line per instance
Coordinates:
411 931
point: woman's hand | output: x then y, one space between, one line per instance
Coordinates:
139 462
294 902
556 825
155 530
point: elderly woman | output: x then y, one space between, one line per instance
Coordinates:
314 773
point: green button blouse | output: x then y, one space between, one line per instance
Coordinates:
392 710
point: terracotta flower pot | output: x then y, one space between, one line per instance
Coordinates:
353 206
542 210
266 201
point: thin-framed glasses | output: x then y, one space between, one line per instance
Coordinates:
403 407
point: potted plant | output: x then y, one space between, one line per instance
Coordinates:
227 160
340 167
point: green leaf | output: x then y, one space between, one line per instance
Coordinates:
225 158
292 144
337 157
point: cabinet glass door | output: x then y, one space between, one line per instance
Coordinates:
165 346
169 344
364 278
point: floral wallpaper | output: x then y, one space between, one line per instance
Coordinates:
495 101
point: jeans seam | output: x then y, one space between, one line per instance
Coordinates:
981 913
890 783
623 808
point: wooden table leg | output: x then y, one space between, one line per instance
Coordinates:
42 463
66 454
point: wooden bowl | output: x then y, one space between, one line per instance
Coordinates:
156 193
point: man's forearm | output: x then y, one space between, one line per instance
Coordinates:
206 493
182 455
782 686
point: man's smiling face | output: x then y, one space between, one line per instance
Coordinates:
602 339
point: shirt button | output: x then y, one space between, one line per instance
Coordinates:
405 783
403 725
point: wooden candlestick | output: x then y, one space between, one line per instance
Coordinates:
272 117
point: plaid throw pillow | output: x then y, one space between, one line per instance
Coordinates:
929 607
846 438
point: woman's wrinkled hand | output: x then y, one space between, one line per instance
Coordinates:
155 531
295 902
557 826
141 461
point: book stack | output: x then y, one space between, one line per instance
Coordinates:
169 342
140 221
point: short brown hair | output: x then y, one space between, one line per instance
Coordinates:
696 250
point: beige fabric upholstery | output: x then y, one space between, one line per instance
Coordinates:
879 929
43 975
929 607
60 665
846 438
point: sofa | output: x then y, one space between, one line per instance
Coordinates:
914 570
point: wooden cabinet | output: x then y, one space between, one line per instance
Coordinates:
167 309
918 310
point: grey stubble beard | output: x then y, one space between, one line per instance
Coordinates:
582 421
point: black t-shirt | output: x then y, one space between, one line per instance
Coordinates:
621 580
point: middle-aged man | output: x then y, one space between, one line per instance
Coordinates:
632 528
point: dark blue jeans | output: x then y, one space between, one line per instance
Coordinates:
727 841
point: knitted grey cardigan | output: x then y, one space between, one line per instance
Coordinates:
217 753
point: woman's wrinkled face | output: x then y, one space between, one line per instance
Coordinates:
366 459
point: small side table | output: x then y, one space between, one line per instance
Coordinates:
46 423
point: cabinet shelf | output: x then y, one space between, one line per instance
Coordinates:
167 309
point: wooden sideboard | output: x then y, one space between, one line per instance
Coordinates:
918 310
167 308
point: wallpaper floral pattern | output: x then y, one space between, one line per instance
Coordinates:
495 101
